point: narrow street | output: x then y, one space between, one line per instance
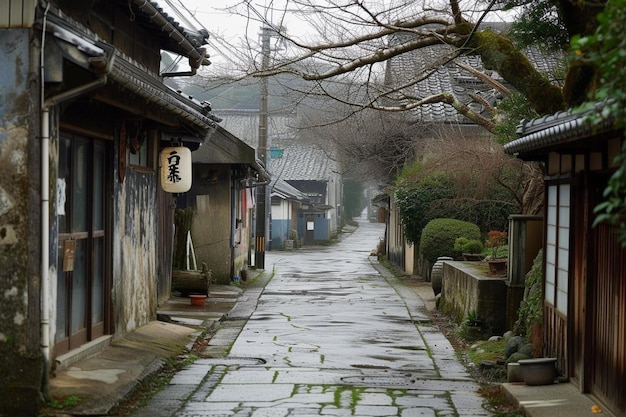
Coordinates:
331 334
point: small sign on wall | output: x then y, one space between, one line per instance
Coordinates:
176 169
69 248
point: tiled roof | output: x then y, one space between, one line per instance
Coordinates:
303 162
181 19
285 190
181 38
245 125
448 77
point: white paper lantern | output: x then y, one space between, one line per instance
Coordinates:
176 169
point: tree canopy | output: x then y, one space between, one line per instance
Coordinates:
353 40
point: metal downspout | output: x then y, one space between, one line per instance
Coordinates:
45 210
45 179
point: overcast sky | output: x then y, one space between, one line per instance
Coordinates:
229 26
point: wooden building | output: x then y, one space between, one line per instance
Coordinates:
584 266
85 227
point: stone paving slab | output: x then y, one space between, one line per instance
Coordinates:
329 335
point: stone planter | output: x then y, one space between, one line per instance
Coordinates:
538 371
473 257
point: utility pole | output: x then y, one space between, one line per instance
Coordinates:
261 191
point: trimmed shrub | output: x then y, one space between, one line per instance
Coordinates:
465 245
439 236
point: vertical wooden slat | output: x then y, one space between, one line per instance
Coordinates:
608 353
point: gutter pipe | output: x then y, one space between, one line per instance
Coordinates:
45 178
45 209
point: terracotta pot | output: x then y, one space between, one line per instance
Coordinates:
197 299
497 266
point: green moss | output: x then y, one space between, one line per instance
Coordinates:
500 54
531 308
487 351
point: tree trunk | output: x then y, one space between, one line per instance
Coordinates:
499 54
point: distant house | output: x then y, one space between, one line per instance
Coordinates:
225 174
316 174
308 168
286 201
85 226
584 308
439 119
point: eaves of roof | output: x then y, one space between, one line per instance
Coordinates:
138 81
81 45
188 40
222 147
542 134
287 191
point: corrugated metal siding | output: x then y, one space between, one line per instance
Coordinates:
17 13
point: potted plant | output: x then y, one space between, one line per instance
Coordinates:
496 240
472 326
292 242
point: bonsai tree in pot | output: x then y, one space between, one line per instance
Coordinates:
496 241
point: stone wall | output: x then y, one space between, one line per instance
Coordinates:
22 363
467 288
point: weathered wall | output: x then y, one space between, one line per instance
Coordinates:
134 251
211 229
410 256
243 236
21 365
281 224
466 289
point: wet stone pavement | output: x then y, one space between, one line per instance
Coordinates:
331 334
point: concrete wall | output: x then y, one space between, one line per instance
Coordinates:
211 229
21 365
466 288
